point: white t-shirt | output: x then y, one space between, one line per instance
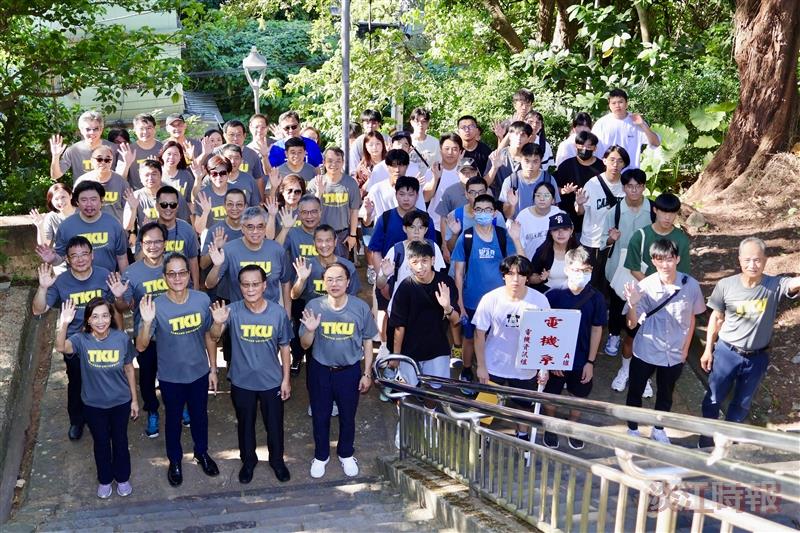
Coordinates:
566 149
595 211
534 228
557 278
429 148
405 271
611 130
500 318
384 197
381 173
449 177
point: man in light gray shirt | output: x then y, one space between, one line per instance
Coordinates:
664 305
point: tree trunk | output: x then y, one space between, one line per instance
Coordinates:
568 28
547 20
503 27
766 49
644 23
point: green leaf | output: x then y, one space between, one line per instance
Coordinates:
705 141
705 121
722 107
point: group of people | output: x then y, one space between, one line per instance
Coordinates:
251 248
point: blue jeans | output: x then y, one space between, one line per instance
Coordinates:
324 387
743 373
195 396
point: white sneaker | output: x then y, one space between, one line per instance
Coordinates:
104 491
660 435
612 345
371 276
621 381
318 468
335 410
648 390
397 437
634 433
309 410
124 489
349 465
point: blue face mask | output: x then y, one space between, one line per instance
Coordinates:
484 219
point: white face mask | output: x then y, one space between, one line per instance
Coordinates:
578 279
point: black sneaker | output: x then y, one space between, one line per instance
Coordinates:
550 440
523 436
575 444
705 442
295 368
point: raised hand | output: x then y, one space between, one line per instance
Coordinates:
220 312
515 230
271 205
46 253
569 188
188 149
387 267
632 293
302 267
130 199
637 119
581 196
544 275
262 147
453 224
310 320
205 145
436 170
204 202
494 157
147 308
47 277
319 182
36 217
275 131
274 180
67 313
288 218
614 234
114 282
443 295
421 178
127 154
216 254
512 197
56 145
220 237
369 205
499 130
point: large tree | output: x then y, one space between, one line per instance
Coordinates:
766 48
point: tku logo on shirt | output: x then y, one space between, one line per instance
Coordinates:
243 167
103 356
335 198
218 212
336 330
111 197
155 285
256 332
319 287
82 298
174 246
266 266
97 237
751 308
186 323
308 249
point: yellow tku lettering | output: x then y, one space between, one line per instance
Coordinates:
266 266
185 322
256 330
82 298
308 249
338 328
174 246
155 285
218 212
103 356
97 237
111 197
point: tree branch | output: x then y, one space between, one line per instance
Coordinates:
503 27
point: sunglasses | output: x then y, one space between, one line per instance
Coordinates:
292 191
291 127
103 159
168 205
215 174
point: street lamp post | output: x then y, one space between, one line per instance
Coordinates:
255 68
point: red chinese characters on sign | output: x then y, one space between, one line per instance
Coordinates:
566 359
551 340
547 339
546 360
552 322
526 344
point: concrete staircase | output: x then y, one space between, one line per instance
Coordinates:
368 504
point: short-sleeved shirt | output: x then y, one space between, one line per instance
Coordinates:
449 177
480 155
415 308
308 172
506 165
567 149
454 196
141 154
384 198
357 149
483 270
404 270
337 200
572 171
270 257
384 237
534 228
103 381
179 331
749 312
247 184
662 335
299 243
251 163
142 280
500 318
430 151
610 131
221 290
380 173
314 288
634 259
52 221
114 199
108 238
277 153
594 312
183 182
180 238
525 189
256 340
147 212
218 211
78 157
595 210
467 221
339 339
80 292
629 223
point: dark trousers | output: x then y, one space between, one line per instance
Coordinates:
245 403
298 352
195 396
74 402
326 385
666 377
109 428
616 320
743 373
148 369
598 259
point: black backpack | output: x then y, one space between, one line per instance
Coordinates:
502 240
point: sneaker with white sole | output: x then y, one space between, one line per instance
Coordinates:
318 468
621 381
349 465
648 390
659 435
612 345
634 433
550 440
309 410
152 425
575 444
335 410
104 491
124 489
371 276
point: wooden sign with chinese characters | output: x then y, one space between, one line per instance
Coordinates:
547 339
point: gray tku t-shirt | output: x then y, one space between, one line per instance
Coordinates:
80 292
256 339
108 238
339 339
103 381
270 257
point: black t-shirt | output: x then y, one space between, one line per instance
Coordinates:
571 171
480 156
414 306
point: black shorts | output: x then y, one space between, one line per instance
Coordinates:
555 384
525 384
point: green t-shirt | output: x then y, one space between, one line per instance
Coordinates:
634 257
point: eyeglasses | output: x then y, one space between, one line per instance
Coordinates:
543 196
475 193
251 285
79 255
293 191
215 174
103 159
291 127
177 274
488 210
153 243
168 205
309 212
234 205
468 127
254 227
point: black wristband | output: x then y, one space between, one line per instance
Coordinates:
590 362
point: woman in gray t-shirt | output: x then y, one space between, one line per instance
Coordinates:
108 389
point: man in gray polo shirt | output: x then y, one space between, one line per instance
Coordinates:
664 305
739 332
